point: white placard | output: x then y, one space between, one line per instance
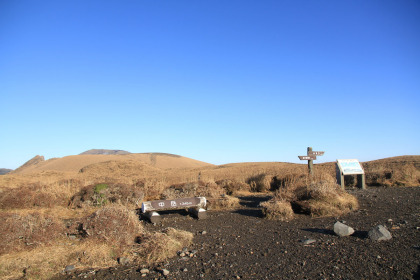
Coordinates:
350 166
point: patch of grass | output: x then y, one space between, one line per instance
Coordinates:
103 194
158 246
114 223
317 195
27 231
233 187
207 189
260 182
106 235
100 187
224 203
44 262
277 210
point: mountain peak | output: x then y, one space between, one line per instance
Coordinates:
105 152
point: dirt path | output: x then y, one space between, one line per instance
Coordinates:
242 245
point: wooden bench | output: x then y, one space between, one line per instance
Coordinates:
195 205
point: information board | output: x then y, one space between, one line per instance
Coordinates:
350 166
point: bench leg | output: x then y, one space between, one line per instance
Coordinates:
153 216
199 213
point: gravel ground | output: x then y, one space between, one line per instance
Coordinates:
243 245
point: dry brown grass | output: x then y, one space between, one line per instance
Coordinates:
105 236
317 195
37 201
44 262
115 224
158 246
24 232
260 182
224 203
102 194
207 189
392 173
277 210
77 162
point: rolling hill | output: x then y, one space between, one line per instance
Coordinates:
77 162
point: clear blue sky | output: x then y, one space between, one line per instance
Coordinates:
218 81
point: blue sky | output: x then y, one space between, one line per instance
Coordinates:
217 81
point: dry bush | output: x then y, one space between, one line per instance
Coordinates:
102 194
325 198
225 203
44 262
277 210
24 232
153 188
317 195
233 186
114 223
158 246
392 174
201 188
31 196
260 182
336 205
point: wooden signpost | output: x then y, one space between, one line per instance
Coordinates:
311 156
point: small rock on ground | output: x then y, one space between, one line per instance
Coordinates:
379 233
144 271
343 230
308 241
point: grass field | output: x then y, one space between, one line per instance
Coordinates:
80 210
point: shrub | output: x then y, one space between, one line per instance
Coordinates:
277 210
317 195
227 202
158 246
324 198
392 173
116 224
102 194
206 189
260 183
233 186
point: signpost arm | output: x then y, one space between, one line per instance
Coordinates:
310 162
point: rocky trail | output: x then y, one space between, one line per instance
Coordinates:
241 244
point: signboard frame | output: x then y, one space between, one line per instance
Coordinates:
345 167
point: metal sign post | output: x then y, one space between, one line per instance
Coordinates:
311 156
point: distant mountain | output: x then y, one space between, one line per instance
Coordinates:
76 163
33 161
105 152
5 171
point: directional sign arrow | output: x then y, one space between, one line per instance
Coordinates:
315 153
307 157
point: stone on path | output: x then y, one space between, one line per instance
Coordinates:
144 271
343 230
379 233
308 241
165 272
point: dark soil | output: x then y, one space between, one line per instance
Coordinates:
243 245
